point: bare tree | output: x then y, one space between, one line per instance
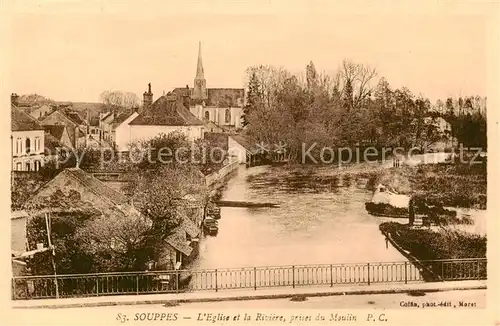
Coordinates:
119 99
357 77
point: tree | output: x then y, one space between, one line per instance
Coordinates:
157 193
312 76
119 99
117 242
253 97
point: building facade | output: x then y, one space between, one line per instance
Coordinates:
27 142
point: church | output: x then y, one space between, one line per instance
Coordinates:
191 111
221 106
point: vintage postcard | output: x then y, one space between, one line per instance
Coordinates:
250 162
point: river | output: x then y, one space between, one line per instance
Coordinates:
321 220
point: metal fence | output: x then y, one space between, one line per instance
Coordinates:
79 285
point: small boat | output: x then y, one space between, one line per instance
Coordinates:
211 226
214 212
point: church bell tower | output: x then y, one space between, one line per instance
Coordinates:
200 84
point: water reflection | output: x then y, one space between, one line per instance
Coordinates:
321 220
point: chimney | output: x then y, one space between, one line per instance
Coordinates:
186 98
147 98
14 99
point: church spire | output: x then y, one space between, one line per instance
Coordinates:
200 84
199 68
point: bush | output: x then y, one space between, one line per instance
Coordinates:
428 245
386 210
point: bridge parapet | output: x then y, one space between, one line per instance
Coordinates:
175 281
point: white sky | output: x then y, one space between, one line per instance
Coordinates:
76 50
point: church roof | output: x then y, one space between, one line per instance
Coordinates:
21 121
217 97
167 111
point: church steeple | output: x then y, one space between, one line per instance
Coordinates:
200 84
200 74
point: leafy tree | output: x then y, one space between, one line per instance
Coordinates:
117 242
156 193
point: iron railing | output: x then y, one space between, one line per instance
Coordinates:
79 285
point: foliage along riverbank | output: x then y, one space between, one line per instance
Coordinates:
426 244
444 185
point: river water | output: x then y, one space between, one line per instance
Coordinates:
321 220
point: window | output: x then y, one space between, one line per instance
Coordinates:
37 144
19 167
178 256
37 165
28 145
228 116
207 115
28 166
19 146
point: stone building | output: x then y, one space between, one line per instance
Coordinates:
222 106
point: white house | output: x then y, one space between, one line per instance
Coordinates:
121 130
27 141
242 148
166 114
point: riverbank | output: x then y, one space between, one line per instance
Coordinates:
453 185
436 243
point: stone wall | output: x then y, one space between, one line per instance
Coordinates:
216 179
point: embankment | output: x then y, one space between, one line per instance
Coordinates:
216 180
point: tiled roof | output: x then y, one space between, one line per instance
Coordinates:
57 131
177 239
62 116
75 117
21 121
121 117
189 227
97 186
166 112
91 183
248 143
106 116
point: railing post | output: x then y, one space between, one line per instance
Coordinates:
216 281
97 285
368 273
293 276
255 278
177 280
406 273
137 284
331 275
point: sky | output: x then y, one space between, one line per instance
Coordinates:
74 50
